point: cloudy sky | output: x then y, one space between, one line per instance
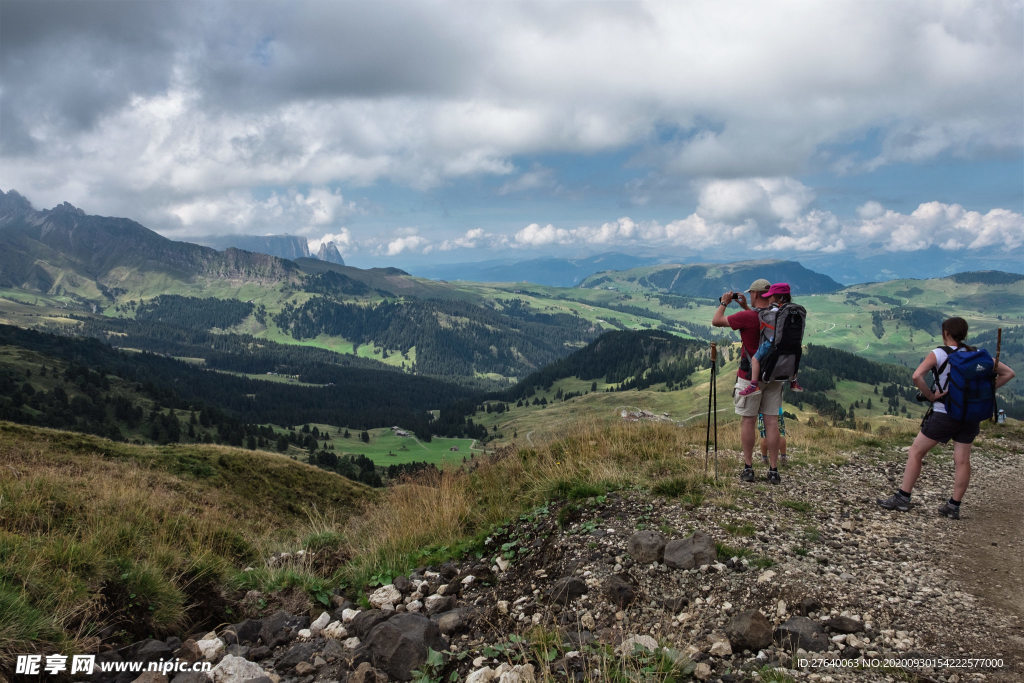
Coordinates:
473 130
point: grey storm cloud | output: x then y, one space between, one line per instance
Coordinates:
68 63
227 113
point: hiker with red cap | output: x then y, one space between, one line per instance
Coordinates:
768 401
777 294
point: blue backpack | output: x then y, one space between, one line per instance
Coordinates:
971 384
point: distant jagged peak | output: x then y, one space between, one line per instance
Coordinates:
13 203
329 252
67 207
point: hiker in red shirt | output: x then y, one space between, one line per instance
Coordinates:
769 399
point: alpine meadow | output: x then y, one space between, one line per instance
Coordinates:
250 440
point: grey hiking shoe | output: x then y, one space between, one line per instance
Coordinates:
896 501
773 477
747 474
947 509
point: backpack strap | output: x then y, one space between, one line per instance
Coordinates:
937 372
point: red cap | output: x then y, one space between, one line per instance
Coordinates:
778 288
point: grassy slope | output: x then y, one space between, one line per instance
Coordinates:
96 533
686 407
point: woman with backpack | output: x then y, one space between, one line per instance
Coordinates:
939 426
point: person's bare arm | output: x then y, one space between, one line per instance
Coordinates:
1003 374
720 319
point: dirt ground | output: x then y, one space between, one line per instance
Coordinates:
989 556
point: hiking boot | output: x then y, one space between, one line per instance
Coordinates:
773 477
747 474
947 509
795 386
896 501
749 390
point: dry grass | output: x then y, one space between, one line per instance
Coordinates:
95 533
449 509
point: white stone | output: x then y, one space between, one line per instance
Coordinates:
321 623
646 642
385 595
234 669
766 576
351 643
484 675
432 602
702 671
468 581
522 673
720 646
781 608
348 615
305 633
335 629
211 648
414 606
503 606
502 563
587 621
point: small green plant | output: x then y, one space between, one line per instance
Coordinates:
745 529
432 669
798 505
769 674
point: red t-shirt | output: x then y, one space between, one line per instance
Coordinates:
749 325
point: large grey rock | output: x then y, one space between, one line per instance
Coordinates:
619 591
646 546
277 628
749 630
567 589
153 651
451 622
247 631
845 625
690 552
303 652
801 632
399 645
364 622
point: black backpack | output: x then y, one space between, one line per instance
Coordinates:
785 326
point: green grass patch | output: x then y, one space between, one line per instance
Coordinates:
798 505
746 529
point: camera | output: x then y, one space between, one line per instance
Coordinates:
735 296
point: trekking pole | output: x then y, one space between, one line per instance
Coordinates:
995 369
712 413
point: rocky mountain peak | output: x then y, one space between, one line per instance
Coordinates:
13 204
329 252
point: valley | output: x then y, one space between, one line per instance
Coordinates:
316 433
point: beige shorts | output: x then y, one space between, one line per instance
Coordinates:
767 402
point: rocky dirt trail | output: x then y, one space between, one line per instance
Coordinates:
807 580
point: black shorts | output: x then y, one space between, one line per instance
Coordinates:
941 427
